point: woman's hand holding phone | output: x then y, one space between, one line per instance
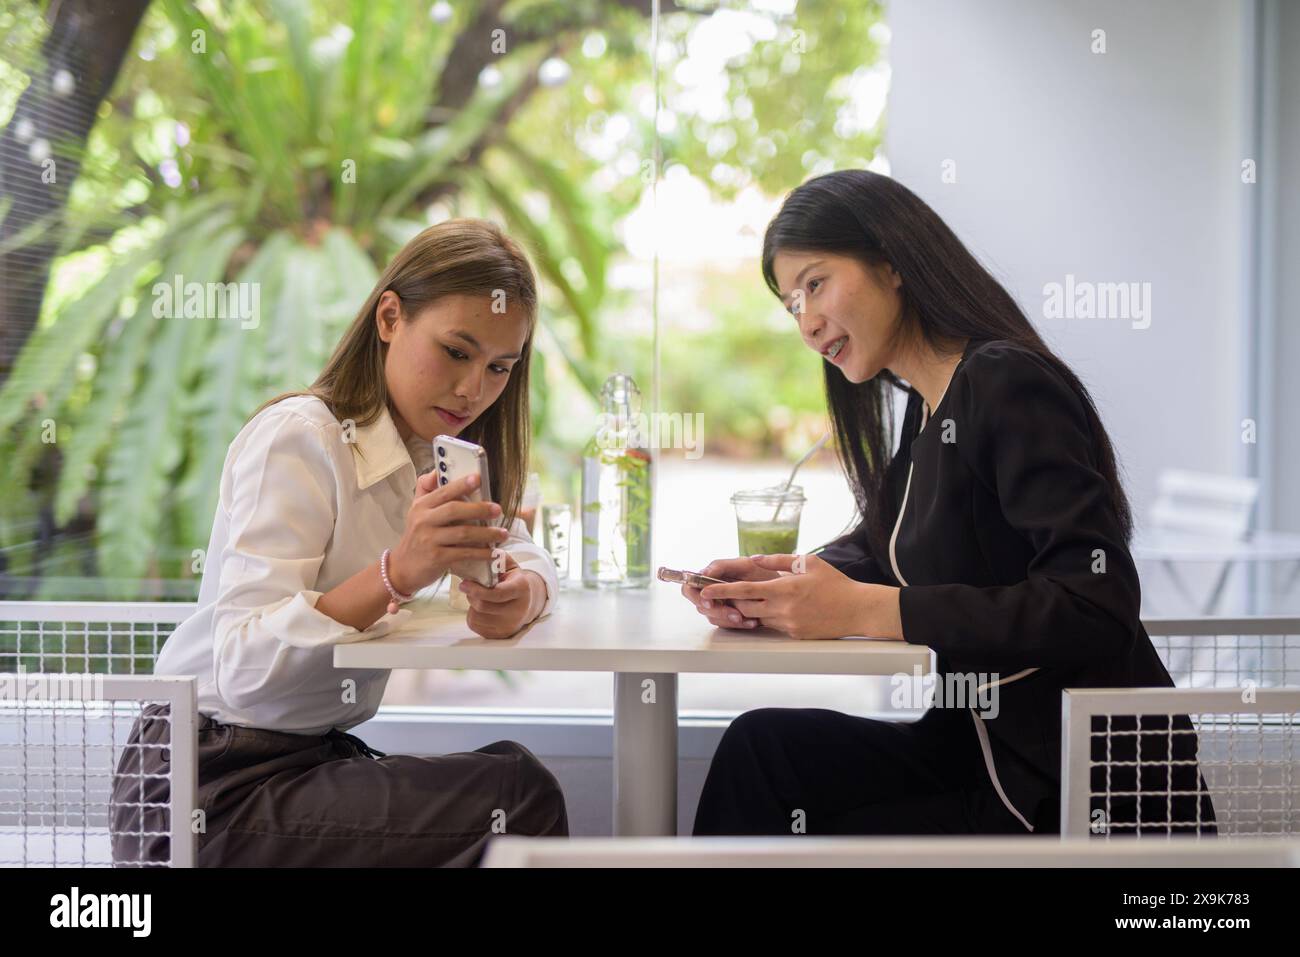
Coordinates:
439 534
721 613
516 600
807 597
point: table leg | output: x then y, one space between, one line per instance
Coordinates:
1290 582
1217 593
1172 571
645 755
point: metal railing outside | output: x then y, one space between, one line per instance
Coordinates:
77 789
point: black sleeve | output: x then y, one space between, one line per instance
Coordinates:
1023 430
850 554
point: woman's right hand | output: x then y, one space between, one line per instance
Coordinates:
723 614
438 534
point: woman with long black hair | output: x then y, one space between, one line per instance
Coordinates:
996 534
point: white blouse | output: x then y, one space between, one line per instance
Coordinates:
302 509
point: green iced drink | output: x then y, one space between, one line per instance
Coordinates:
767 520
767 538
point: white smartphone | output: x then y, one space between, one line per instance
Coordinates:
455 458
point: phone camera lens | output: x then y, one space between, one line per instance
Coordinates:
442 480
441 451
442 466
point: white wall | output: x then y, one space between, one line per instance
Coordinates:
1286 262
1122 166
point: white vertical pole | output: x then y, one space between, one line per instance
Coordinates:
184 771
1076 757
645 754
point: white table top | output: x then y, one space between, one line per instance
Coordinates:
652 630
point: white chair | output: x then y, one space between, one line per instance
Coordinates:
1200 503
1204 519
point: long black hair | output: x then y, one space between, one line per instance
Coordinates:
947 296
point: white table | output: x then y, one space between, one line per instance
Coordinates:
645 638
1169 549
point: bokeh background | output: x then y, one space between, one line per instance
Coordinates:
638 151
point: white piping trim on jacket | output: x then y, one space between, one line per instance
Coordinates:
993 772
980 730
893 558
1007 680
893 537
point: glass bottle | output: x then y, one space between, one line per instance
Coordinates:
616 493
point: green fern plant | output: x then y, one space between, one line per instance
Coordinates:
309 152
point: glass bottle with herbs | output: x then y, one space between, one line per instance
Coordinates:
616 483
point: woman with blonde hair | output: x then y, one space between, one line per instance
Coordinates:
329 518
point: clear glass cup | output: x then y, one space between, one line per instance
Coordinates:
557 522
767 520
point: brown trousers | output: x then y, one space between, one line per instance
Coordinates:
273 799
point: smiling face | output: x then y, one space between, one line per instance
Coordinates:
447 365
835 297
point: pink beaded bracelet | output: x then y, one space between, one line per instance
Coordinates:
397 596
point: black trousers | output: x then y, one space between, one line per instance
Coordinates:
780 771
271 799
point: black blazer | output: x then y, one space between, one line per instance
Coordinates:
1010 557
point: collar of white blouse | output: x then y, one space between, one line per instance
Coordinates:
378 451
